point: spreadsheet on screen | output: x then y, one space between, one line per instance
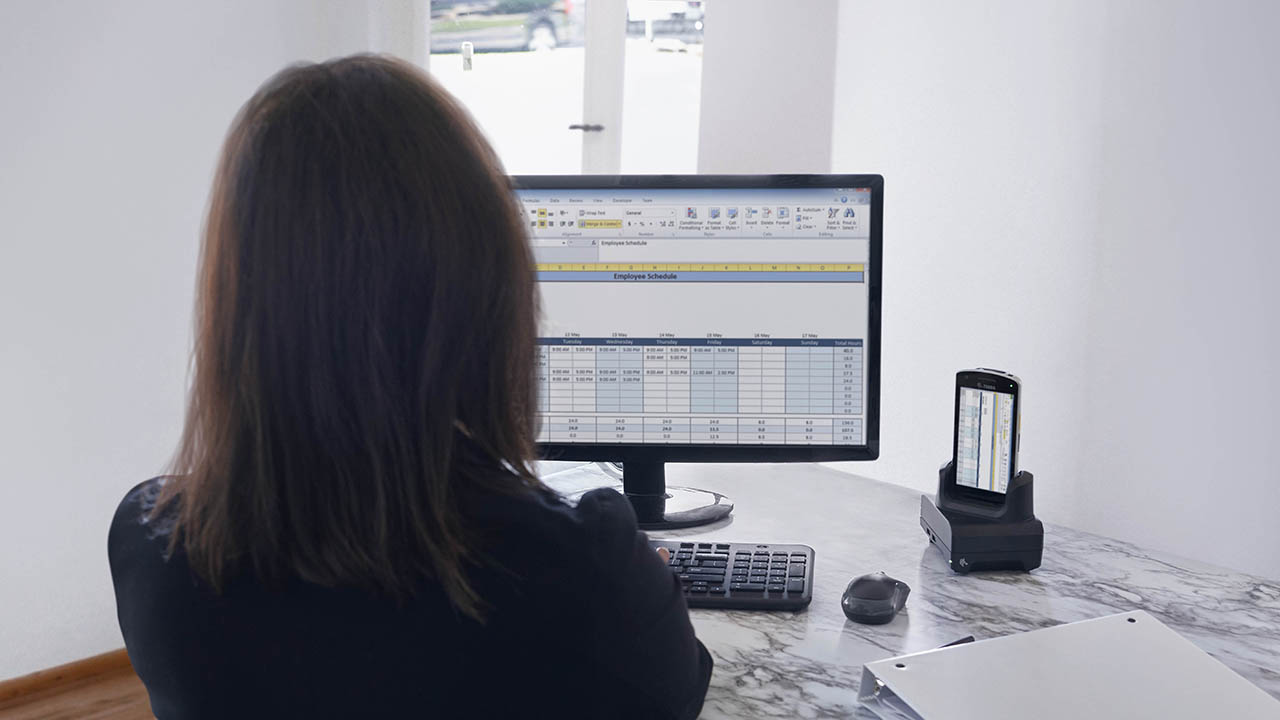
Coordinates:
701 316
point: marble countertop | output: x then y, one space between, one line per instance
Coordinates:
807 664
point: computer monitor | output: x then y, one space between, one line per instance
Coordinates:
705 318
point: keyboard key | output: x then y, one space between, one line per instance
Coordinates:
686 545
778 572
704 583
796 585
738 578
746 587
722 546
716 590
775 587
795 571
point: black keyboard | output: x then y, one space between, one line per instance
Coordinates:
742 576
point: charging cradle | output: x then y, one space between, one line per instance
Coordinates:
977 535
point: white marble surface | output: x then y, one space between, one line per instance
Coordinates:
806 664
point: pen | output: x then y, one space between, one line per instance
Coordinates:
961 641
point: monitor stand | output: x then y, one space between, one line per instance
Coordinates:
661 508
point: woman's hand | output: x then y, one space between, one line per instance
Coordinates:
665 554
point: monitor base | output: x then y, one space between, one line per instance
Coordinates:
683 507
661 508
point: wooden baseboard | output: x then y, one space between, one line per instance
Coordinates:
62 675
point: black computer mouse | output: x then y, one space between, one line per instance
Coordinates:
874 599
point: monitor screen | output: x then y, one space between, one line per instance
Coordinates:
702 316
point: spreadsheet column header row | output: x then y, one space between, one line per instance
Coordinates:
706 342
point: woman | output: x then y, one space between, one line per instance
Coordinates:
352 528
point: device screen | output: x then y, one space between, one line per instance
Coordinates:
699 316
985 439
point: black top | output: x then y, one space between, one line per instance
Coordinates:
588 623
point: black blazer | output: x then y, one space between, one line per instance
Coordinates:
587 622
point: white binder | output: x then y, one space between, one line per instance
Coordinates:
1120 666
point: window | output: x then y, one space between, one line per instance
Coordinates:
560 88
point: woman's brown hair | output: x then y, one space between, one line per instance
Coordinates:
364 339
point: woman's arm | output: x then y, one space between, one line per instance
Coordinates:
639 624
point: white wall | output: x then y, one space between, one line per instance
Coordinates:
1184 332
1075 193
113 116
767 82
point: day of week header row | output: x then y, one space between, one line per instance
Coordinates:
708 342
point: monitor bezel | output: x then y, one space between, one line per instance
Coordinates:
634 452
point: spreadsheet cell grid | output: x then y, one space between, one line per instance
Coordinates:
591 391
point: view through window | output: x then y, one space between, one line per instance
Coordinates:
519 66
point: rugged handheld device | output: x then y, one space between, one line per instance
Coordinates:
983 517
985 443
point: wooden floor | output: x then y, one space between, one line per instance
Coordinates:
115 695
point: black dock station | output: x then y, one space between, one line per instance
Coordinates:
977 535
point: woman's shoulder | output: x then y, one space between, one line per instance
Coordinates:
137 526
139 503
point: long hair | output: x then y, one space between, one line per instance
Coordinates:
364 339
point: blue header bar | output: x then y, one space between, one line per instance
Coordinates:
705 342
701 277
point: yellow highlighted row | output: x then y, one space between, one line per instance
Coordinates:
699 267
